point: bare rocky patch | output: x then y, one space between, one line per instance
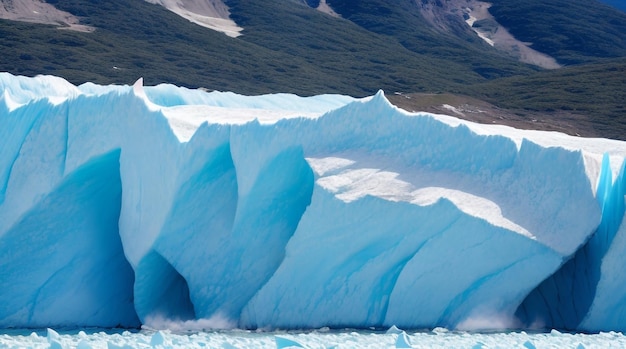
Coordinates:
471 109
211 14
486 27
37 11
458 16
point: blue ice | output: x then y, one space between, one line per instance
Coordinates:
122 204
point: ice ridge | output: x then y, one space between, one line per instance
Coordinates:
279 211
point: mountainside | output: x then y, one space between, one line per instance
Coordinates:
436 28
430 29
593 95
572 31
301 55
337 46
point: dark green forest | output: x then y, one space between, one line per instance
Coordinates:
287 46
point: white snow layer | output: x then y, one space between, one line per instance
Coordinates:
123 204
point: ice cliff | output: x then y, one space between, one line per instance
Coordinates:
123 204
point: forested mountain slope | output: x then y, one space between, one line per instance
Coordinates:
288 46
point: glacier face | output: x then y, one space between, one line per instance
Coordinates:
123 204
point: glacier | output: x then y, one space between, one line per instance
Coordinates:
120 205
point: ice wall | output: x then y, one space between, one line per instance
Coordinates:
283 211
62 260
564 299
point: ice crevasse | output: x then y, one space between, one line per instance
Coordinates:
119 204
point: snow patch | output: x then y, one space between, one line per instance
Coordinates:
324 7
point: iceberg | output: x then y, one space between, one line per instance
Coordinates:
123 204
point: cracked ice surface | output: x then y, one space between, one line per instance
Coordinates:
291 212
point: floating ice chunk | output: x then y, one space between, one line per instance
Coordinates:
440 330
83 345
158 338
394 330
282 342
54 344
52 335
403 340
529 345
111 345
